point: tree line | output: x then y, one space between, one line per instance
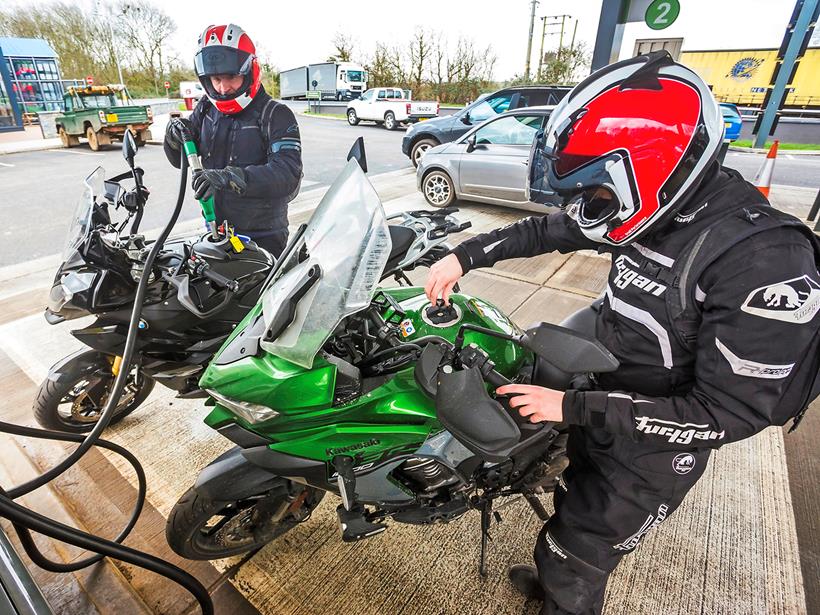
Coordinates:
428 64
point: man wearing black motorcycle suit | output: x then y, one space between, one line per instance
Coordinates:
716 332
249 143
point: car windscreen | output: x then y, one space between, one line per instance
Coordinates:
99 101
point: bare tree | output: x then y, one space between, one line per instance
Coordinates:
145 29
344 48
421 48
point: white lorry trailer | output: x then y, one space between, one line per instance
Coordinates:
333 80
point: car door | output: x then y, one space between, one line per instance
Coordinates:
364 105
497 168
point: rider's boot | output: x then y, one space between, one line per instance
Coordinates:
525 579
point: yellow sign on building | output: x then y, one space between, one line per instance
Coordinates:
741 76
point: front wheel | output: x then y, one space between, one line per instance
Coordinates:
73 399
390 121
420 148
203 529
352 118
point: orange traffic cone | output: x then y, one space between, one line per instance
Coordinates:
763 179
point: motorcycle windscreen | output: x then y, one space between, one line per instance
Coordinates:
349 240
81 220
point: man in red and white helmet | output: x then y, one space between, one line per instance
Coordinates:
711 308
249 143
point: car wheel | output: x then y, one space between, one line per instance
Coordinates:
352 118
438 189
67 139
389 120
419 149
93 143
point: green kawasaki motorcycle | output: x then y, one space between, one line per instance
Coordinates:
332 384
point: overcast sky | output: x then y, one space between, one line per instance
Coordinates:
291 33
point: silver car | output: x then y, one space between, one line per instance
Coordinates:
488 164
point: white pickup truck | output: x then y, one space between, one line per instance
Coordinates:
389 106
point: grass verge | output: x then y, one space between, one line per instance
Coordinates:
797 146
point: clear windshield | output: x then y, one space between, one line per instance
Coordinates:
81 221
348 238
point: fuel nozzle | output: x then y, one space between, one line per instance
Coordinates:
207 204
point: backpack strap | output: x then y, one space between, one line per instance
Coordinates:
264 120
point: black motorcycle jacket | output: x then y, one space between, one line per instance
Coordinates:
753 359
263 139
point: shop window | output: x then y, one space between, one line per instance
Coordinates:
47 70
6 113
23 70
27 92
51 90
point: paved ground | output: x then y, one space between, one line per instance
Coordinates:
733 547
39 190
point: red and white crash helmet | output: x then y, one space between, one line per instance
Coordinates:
627 146
228 50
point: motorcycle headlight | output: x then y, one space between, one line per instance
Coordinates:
253 413
72 283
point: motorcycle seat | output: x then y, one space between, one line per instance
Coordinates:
402 238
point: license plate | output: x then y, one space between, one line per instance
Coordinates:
112 117
424 109
423 119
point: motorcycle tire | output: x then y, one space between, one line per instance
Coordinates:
241 526
72 400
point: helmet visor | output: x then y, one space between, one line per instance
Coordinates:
219 60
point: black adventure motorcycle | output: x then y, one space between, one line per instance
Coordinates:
200 288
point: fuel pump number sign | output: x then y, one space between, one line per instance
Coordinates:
661 14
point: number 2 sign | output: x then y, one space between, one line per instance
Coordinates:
662 14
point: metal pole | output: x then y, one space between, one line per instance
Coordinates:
561 38
608 39
541 54
116 57
787 66
814 208
529 42
574 30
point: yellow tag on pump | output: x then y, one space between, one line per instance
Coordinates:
237 244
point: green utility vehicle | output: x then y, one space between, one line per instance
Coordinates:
100 114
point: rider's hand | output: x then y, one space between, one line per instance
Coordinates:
207 181
177 132
537 403
442 277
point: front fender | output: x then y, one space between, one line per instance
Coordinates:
76 363
240 473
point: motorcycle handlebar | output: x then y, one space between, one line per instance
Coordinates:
220 280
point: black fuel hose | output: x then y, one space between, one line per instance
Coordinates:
48 527
25 538
26 519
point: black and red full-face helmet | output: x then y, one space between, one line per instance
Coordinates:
627 146
228 50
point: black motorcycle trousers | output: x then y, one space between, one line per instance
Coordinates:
612 494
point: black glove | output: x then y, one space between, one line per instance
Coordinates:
207 181
177 132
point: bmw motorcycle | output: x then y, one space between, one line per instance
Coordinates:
200 288
333 384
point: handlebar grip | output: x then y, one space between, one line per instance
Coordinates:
496 379
220 280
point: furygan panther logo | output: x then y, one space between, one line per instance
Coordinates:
796 301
